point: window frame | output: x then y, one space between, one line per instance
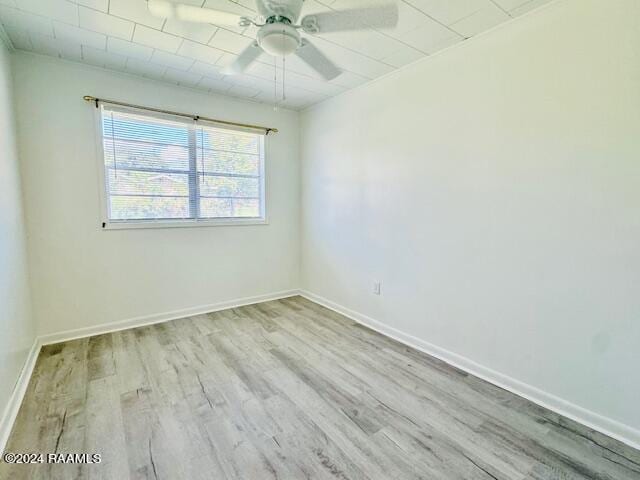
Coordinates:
109 224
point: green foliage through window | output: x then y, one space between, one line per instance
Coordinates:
159 168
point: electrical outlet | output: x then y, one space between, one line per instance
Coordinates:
376 288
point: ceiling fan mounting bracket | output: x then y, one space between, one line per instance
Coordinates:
277 19
289 9
310 24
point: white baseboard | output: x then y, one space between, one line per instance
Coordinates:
605 425
595 421
11 410
15 400
160 317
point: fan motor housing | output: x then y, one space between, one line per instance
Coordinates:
289 9
278 39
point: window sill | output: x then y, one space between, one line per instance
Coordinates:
229 222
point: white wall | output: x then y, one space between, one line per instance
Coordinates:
83 276
16 325
494 189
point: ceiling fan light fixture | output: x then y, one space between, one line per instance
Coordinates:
279 39
278 35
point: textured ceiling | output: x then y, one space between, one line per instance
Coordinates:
121 35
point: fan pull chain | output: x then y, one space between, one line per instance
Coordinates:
283 67
284 97
275 84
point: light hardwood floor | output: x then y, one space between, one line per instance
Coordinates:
288 390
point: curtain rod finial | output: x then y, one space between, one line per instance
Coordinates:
89 98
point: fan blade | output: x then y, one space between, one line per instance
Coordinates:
383 16
313 57
189 13
246 58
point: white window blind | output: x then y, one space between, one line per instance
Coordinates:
164 168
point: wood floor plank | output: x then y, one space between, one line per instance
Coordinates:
288 390
105 433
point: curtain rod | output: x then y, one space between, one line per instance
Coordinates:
267 130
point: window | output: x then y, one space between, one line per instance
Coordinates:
167 170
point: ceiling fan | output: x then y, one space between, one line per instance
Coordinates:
278 33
